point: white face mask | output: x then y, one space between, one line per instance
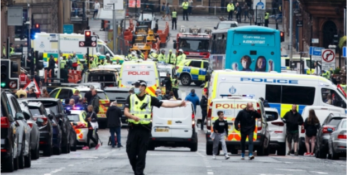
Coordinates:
137 91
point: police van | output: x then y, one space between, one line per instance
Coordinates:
230 105
281 90
133 71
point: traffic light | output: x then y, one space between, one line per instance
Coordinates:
282 36
335 39
88 40
38 60
34 30
4 73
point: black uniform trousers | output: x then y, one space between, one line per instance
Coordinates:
136 147
173 23
185 14
176 94
266 23
204 115
230 15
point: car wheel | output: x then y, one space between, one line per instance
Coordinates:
35 153
234 151
68 147
15 163
209 148
334 155
282 149
185 79
322 153
272 151
48 150
267 150
28 160
301 149
57 150
74 147
8 165
194 147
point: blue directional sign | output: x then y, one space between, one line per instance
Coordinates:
344 51
68 28
316 51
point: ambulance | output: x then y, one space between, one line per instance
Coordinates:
230 105
54 43
305 66
281 90
133 71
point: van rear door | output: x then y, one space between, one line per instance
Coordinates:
161 121
132 73
181 122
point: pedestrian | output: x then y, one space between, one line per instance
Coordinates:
192 97
204 106
175 85
45 94
95 101
230 9
185 10
173 19
246 119
75 8
267 16
220 128
293 119
21 91
163 11
245 9
31 93
52 66
167 82
161 56
69 62
88 95
74 61
76 97
159 94
138 109
190 7
265 102
91 116
311 125
167 11
114 115
96 8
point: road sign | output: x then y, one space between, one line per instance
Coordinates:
316 53
93 38
132 3
118 4
34 85
81 43
328 59
68 28
13 84
314 40
344 51
93 44
14 15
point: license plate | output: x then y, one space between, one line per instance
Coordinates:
120 105
169 122
162 130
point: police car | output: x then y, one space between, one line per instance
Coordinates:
192 70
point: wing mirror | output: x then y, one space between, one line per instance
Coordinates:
26 116
19 116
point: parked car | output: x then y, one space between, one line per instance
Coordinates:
226 25
324 133
120 95
15 134
35 133
337 141
57 133
277 132
45 125
60 114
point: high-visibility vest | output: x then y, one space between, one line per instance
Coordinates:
63 64
170 58
267 16
174 14
4 51
129 56
343 86
154 55
12 50
142 55
143 114
175 85
185 5
230 7
312 71
180 58
160 58
326 75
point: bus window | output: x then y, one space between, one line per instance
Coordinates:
298 95
332 97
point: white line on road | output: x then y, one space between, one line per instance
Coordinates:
318 172
289 169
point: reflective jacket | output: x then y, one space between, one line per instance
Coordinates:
143 114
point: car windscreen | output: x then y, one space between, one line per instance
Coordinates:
101 95
194 45
74 118
102 77
227 25
35 111
115 94
271 114
51 105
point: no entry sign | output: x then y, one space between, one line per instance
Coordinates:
328 59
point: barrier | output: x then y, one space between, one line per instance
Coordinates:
74 76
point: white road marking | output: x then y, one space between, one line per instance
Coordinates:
289 169
318 172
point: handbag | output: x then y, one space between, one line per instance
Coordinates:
94 125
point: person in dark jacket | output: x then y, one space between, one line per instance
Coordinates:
220 132
91 117
114 115
31 93
88 95
76 97
52 66
204 106
265 102
246 119
192 97
95 101
167 82
311 125
293 119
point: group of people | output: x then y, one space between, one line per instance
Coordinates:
171 88
171 58
237 9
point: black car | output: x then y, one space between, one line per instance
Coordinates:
35 133
57 133
120 95
68 132
45 126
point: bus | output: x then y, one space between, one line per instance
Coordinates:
253 48
217 49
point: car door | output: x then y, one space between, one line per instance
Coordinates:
161 120
54 93
65 94
195 69
181 121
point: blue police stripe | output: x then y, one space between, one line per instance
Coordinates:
186 69
202 72
194 77
301 108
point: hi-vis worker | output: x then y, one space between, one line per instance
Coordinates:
133 56
153 54
343 86
230 9
161 56
63 63
181 57
129 55
326 74
267 15
138 109
12 49
173 19
185 10
170 58
175 85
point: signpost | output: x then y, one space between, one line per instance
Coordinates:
315 40
328 59
108 5
316 53
15 16
344 51
68 28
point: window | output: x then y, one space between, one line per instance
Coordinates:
74 118
334 121
119 95
54 93
332 97
344 125
194 45
51 105
101 49
101 77
15 104
298 95
65 94
273 93
206 65
195 64
101 95
35 111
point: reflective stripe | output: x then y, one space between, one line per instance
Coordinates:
143 114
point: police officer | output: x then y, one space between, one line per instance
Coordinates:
175 84
185 10
170 58
138 110
230 9
154 54
12 49
267 19
133 56
181 57
173 19
129 55
326 74
161 56
343 86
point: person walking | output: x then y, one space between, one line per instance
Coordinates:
190 7
192 97
267 16
245 10
114 115
220 128
138 109
91 117
74 61
167 11
175 85
238 12
311 125
204 106
173 19
246 119
52 66
293 119
88 95
230 9
96 8
185 10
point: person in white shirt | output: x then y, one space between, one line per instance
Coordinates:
96 8
317 69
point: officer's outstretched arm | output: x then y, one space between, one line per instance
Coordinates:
173 105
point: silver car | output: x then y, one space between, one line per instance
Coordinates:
337 141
